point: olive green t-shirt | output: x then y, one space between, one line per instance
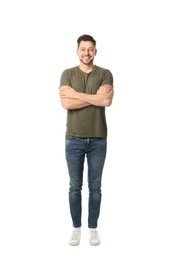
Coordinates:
89 121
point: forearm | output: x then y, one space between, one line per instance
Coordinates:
68 103
104 100
71 99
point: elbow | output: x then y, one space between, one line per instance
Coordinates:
65 106
65 103
108 102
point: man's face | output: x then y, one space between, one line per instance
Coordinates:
86 52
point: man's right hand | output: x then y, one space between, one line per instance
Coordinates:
104 89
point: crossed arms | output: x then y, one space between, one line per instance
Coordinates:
71 99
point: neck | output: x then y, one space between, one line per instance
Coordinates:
86 68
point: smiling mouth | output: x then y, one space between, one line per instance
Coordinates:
86 58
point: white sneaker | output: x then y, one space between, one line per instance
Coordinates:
75 237
94 239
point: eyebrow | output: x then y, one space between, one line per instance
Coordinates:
86 47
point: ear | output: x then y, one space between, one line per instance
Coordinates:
95 52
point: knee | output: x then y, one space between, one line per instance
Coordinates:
75 186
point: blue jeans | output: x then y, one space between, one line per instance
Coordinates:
94 149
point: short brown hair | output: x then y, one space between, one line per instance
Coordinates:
86 37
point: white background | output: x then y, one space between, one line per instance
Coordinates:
134 41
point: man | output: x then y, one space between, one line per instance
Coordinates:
85 91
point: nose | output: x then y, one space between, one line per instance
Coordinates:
86 51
